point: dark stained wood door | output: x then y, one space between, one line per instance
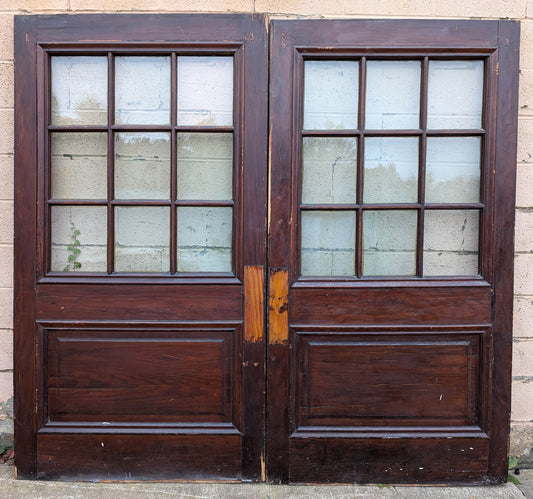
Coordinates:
390 250
141 151
141 256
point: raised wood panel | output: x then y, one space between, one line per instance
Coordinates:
399 305
144 375
137 457
388 379
128 302
388 460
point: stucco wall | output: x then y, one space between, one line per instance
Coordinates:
522 408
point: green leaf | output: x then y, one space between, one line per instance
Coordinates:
76 242
77 265
513 479
513 461
77 232
70 247
71 258
76 251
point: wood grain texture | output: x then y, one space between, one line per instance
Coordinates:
139 457
398 305
123 378
25 369
358 379
504 202
389 461
278 301
254 303
139 302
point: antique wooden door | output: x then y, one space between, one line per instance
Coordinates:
390 250
143 286
140 264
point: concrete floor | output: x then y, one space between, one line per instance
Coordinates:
11 488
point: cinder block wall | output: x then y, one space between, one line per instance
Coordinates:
522 10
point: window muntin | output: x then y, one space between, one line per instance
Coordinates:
158 162
418 161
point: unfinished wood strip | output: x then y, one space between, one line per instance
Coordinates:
278 316
253 303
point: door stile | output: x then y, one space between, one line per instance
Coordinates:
25 372
279 236
254 199
503 260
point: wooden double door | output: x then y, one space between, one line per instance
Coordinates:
218 279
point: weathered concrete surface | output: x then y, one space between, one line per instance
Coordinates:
526 483
11 488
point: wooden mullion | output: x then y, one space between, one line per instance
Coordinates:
77 128
360 169
422 147
452 206
329 207
173 162
44 239
140 128
77 202
110 163
204 129
391 206
204 202
141 202
415 132
330 133
455 132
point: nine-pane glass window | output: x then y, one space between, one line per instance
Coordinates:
391 167
141 163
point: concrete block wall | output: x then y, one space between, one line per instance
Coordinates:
522 409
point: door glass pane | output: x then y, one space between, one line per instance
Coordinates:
79 166
392 94
142 165
451 239
328 243
453 169
329 170
142 90
205 165
79 90
389 242
79 235
455 94
205 91
391 170
204 239
142 239
331 95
